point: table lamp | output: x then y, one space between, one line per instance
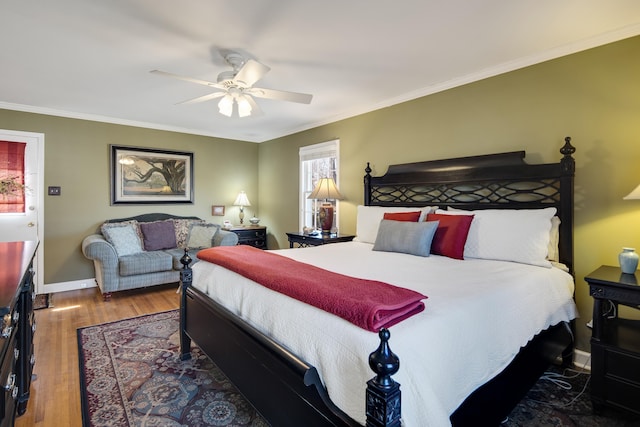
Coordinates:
634 195
628 258
326 189
242 200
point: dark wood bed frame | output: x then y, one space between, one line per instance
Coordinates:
288 392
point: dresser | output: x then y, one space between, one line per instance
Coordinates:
252 235
18 326
615 341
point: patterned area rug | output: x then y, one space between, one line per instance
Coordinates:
42 301
131 375
561 398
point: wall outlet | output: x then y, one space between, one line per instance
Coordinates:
54 191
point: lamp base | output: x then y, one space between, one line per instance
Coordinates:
325 217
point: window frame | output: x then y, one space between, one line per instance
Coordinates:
309 175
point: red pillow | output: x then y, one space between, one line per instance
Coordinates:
403 216
451 234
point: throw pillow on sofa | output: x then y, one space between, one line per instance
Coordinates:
158 235
182 227
123 237
201 235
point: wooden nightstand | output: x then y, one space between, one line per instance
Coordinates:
252 235
615 342
304 240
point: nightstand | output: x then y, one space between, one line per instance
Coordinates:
615 342
304 240
252 235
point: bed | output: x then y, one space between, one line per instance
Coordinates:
293 380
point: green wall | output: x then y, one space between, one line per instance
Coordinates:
592 96
77 159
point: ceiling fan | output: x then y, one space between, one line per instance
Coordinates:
235 87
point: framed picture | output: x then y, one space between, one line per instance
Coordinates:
149 176
217 210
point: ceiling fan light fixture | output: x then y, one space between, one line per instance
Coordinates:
244 107
225 106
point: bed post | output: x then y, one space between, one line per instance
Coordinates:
367 185
186 277
383 393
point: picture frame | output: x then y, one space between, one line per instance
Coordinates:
217 210
150 176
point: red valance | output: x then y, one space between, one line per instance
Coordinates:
12 171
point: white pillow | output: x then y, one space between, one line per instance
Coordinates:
369 217
553 253
518 235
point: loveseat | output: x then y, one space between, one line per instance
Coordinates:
145 250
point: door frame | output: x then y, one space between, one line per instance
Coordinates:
39 139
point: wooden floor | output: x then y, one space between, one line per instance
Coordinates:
55 393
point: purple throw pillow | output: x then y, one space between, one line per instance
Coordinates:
158 235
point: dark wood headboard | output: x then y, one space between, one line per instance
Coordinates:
494 181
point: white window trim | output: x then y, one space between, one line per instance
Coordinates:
317 151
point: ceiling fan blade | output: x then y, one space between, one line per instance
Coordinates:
187 79
203 98
255 108
251 72
281 95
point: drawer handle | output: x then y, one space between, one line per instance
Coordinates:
32 359
11 382
16 316
33 328
6 332
16 353
14 394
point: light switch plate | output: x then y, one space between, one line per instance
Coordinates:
54 191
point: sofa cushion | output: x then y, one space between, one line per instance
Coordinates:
201 235
158 235
145 262
123 237
177 254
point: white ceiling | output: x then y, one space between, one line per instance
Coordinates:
91 59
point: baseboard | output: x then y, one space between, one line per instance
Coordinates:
73 285
582 359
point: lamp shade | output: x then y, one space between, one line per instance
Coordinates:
225 106
634 195
242 200
326 189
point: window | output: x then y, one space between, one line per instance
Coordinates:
316 161
12 177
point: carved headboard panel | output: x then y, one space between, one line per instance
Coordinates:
494 181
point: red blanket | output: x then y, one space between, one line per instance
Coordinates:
368 304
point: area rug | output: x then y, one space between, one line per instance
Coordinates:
42 301
131 375
561 398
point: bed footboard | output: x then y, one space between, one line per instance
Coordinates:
283 388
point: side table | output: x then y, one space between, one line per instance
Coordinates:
252 235
305 240
615 342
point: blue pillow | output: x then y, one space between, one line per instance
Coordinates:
406 237
123 237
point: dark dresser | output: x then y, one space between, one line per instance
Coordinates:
252 235
18 326
615 341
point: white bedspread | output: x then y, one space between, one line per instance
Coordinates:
478 315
